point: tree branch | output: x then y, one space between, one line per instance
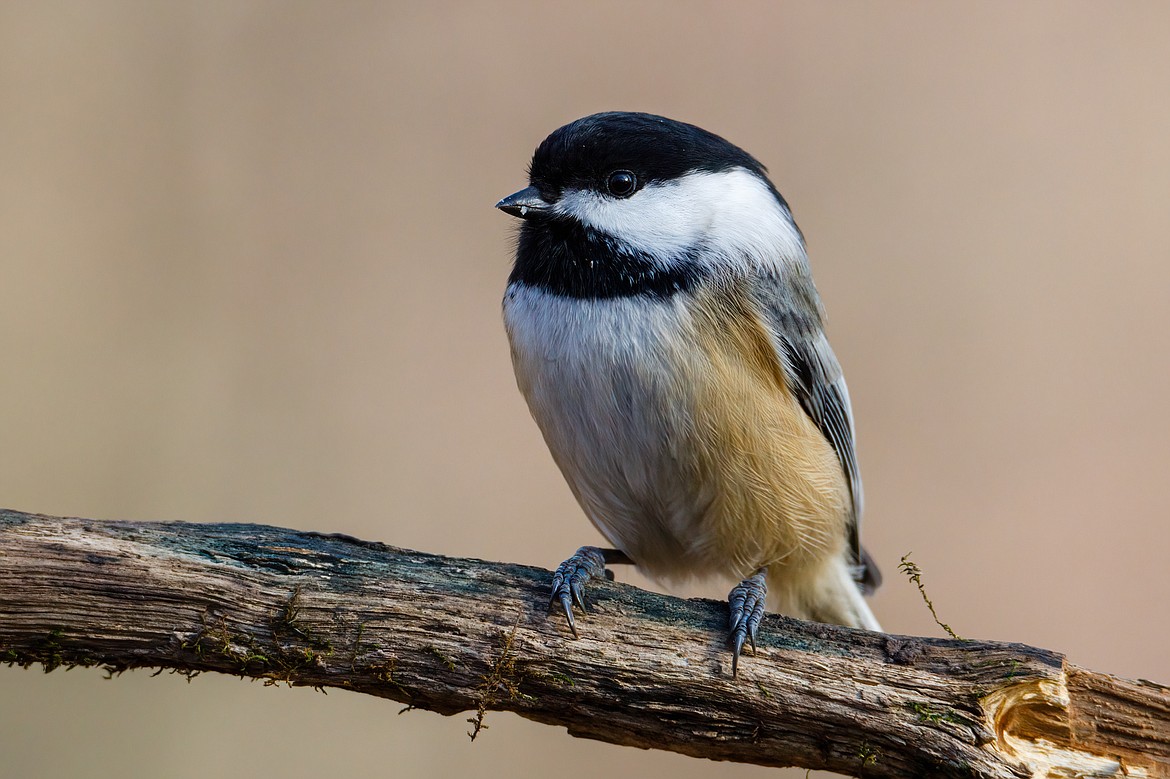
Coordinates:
452 635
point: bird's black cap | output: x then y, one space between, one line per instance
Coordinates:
582 154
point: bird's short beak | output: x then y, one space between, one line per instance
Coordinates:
525 204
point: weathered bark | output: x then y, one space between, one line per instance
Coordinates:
649 671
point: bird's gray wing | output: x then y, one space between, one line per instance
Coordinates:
791 310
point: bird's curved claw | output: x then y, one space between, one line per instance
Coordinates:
568 582
746 601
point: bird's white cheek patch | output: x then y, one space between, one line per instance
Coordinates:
730 215
660 219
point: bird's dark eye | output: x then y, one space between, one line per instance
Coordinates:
622 183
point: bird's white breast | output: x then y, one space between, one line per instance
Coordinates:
607 381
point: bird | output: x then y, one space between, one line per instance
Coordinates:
667 336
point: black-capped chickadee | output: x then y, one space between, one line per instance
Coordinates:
667 336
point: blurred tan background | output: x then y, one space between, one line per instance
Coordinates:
251 271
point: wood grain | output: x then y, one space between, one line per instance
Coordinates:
458 635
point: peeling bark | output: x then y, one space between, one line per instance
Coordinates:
456 635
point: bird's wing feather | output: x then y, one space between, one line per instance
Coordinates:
791 311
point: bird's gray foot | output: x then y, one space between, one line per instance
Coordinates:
747 609
568 582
